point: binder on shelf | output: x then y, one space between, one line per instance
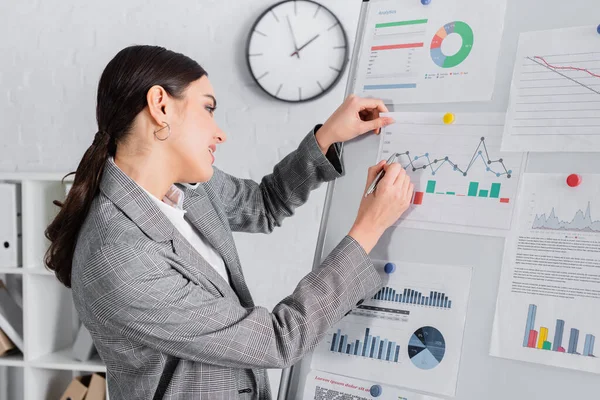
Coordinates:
83 347
8 227
11 317
6 345
86 387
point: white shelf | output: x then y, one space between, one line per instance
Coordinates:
38 271
18 271
50 322
14 360
35 176
24 271
64 360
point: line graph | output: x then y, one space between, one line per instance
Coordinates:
555 67
544 63
556 84
460 175
581 222
477 155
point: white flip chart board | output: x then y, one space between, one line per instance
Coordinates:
480 376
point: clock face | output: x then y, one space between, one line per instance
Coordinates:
297 50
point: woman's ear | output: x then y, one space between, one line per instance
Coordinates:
157 99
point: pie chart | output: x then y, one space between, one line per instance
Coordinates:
452 60
426 347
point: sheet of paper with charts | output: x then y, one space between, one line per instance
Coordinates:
445 52
555 92
549 294
326 386
408 335
463 182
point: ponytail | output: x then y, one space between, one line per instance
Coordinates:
64 229
122 93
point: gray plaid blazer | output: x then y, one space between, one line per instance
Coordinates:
166 324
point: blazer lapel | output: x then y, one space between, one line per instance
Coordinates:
212 223
130 198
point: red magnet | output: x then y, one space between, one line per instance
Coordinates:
574 180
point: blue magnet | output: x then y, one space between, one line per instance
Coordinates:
598 29
389 268
425 2
375 391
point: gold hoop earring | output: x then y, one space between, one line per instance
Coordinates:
169 129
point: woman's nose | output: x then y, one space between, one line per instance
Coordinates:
221 136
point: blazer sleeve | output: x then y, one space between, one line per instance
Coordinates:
136 294
259 208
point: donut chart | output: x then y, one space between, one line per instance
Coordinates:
465 32
426 347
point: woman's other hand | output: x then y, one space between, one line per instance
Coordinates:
353 118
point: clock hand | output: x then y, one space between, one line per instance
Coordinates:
297 52
293 37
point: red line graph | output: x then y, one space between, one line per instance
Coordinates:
567 68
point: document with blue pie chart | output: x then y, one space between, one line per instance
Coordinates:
408 335
445 51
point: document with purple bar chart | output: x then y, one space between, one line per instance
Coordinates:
445 51
408 335
549 293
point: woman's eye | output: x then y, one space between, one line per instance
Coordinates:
210 109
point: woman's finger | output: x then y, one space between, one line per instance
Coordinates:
391 173
373 171
410 192
376 124
369 103
404 185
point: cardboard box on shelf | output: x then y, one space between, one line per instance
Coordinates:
6 345
86 387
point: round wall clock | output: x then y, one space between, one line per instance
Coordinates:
297 50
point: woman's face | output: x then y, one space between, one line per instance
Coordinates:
195 134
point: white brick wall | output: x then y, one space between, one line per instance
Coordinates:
52 55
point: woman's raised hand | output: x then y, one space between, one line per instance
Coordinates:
353 118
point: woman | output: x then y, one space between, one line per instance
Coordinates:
158 283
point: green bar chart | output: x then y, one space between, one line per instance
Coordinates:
472 191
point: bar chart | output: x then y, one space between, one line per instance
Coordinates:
370 347
540 339
473 190
413 296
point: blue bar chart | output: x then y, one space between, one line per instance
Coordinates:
369 347
413 296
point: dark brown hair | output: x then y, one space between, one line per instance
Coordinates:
122 92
